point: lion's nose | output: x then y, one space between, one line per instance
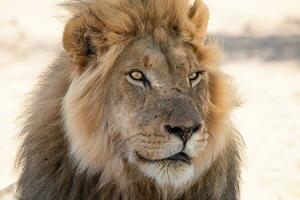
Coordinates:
182 118
184 133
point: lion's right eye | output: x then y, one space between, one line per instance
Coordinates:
136 75
137 78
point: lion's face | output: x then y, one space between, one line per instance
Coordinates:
159 96
146 99
155 112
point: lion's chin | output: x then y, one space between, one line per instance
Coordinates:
169 173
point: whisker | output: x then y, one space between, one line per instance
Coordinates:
122 144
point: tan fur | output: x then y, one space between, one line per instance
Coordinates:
87 124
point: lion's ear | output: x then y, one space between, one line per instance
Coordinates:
199 16
77 42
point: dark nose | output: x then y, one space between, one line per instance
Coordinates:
184 133
183 118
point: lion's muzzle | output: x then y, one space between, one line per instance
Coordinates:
174 131
183 120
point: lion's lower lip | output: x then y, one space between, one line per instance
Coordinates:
179 157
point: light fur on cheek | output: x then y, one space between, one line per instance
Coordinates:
90 141
214 147
196 144
91 151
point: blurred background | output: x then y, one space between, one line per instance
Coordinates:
261 40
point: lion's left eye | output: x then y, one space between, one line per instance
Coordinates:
195 78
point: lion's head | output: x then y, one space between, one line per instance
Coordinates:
146 99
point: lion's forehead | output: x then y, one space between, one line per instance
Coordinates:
148 52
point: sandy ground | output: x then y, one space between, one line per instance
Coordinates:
261 40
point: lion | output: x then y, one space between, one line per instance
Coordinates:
134 107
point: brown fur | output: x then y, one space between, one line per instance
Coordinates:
74 144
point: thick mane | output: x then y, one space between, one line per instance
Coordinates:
130 18
106 23
45 161
48 170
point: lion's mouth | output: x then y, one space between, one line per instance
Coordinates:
178 157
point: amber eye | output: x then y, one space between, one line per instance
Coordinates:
136 75
137 78
195 78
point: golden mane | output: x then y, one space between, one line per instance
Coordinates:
108 26
112 22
